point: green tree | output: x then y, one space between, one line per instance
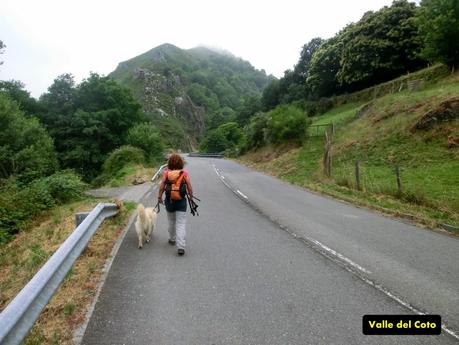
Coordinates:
438 22
380 46
249 107
15 91
214 142
256 130
301 70
292 86
325 64
59 104
232 132
26 150
271 95
2 48
89 120
228 137
146 137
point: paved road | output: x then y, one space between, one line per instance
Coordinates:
243 279
418 265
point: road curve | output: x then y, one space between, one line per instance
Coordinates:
243 279
417 265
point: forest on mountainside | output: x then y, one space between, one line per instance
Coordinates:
383 45
189 92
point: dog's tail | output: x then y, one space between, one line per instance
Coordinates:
141 212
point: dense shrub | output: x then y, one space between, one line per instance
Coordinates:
256 131
319 107
19 203
228 138
63 186
286 123
121 157
146 137
214 142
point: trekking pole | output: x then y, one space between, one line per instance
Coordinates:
157 207
193 206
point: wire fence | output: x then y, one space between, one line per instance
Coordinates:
319 130
388 179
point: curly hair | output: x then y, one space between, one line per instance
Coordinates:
175 162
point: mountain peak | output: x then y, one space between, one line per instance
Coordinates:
205 49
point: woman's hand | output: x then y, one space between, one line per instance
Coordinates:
160 199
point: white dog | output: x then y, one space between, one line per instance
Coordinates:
145 223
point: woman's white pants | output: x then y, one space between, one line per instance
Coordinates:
177 227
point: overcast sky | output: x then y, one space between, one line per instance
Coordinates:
46 38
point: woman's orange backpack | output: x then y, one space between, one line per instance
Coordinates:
175 185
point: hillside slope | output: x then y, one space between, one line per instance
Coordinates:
186 91
416 131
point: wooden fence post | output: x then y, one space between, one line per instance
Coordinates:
399 180
357 175
327 154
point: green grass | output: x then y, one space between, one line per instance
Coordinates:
338 116
381 139
125 176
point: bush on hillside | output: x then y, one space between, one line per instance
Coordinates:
146 137
214 142
20 203
286 123
319 107
256 131
63 186
228 138
121 157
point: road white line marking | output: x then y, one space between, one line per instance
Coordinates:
341 256
350 216
405 304
222 178
241 194
332 254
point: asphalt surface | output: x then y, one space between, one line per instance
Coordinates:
246 280
418 265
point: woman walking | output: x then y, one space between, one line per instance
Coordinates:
176 183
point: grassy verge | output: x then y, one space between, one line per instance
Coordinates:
21 258
301 167
129 175
382 137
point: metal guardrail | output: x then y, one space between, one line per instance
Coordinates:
158 172
18 317
209 155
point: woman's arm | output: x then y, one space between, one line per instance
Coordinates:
162 187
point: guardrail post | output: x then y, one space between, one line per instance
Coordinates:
79 217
